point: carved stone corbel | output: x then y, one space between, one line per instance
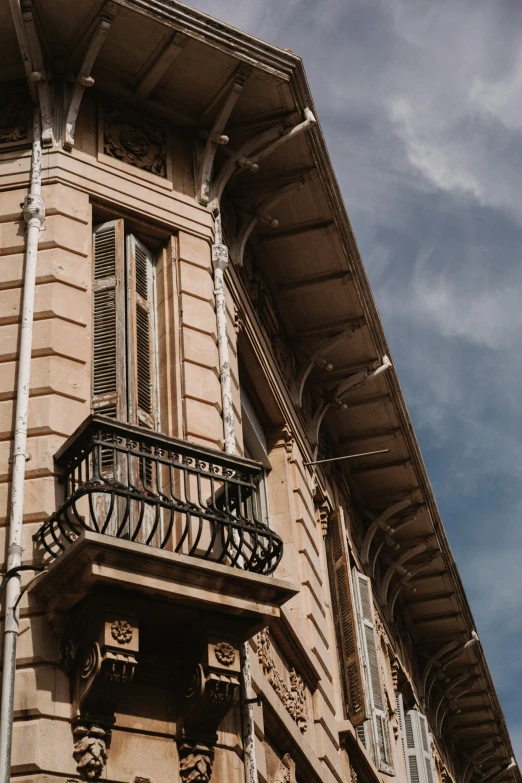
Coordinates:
102 662
209 697
285 772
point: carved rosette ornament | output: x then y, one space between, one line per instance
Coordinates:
134 140
121 631
225 653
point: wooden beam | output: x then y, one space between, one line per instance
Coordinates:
471 710
297 230
307 286
320 332
160 66
396 463
269 180
343 371
365 435
265 121
426 577
370 399
424 599
436 618
473 725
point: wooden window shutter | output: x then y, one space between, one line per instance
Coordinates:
418 748
109 381
377 718
351 669
141 355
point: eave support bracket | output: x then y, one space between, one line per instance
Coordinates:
84 78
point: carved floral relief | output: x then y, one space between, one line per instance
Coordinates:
14 122
293 697
134 140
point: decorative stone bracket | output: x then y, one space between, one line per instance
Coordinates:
209 697
102 664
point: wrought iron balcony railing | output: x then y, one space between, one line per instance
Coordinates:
126 481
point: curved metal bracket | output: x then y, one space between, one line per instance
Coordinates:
343 388
316 357
240 159
216 136
457 648
396 567
31 50
85 79
404 583
379 523
449 695
452 700
390 541
308 122
501 772
237 248
477 758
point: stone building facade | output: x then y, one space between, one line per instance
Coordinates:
203 590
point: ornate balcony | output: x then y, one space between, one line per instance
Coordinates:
140 486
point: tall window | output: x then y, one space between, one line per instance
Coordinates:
358 650
124 360
254 443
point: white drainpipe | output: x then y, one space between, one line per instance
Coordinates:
220 261
34 215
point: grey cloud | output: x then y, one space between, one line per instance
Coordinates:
420 105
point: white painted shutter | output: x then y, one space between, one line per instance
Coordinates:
378 719
351 666
108 287
426 747
418 748
400 720
141 353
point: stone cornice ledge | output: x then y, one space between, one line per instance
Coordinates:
95 560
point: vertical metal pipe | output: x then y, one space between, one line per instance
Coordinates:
34 215
220 260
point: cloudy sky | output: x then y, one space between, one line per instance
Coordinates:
420 103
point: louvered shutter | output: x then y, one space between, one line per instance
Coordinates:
377 717
140 330
400 720
351 669
418 748
108 374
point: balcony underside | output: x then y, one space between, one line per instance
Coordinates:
97 563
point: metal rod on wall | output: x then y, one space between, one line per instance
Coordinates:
348 456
